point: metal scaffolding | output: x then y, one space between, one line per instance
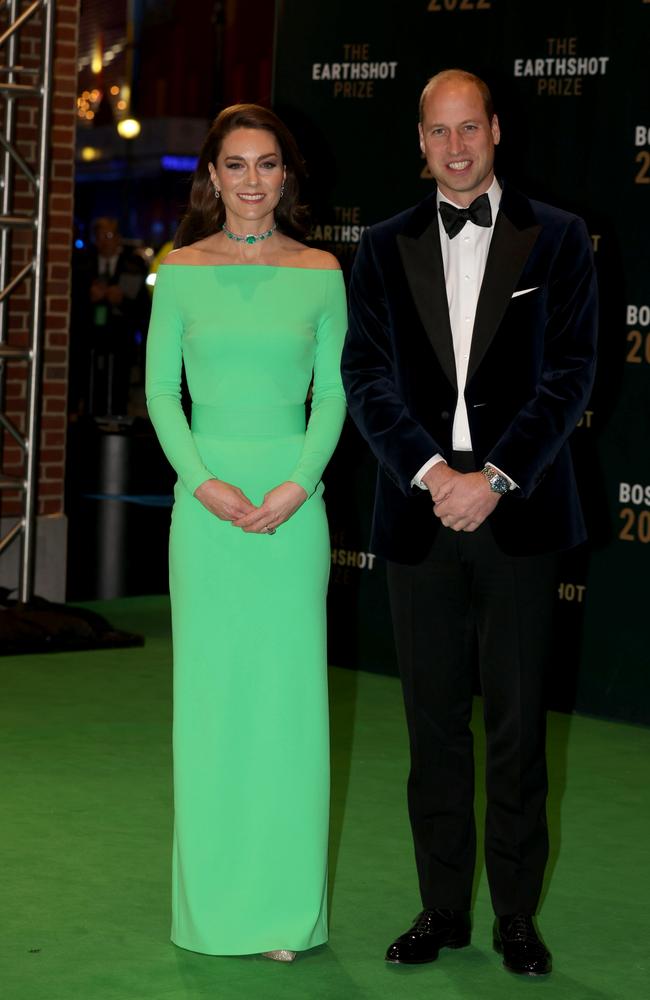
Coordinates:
19 83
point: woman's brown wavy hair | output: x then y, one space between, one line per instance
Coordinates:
206 214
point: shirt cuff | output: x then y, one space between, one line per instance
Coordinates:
417 478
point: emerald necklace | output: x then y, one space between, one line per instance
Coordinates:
250 237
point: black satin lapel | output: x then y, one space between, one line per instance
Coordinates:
509 250
422 262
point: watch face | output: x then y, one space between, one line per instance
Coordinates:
498 483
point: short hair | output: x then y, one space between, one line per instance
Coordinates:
206 214
461 74
108 220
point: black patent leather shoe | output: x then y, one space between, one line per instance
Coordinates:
432 930
523 950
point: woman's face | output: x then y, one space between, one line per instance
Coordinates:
249 174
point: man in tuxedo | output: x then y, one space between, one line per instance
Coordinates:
469 360
110 317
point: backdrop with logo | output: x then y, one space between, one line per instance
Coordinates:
571 85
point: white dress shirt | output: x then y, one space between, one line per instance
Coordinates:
463 258
106 265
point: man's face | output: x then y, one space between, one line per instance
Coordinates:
458 140
107 238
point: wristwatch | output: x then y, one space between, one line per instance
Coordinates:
498 483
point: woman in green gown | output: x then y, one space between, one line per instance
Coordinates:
256 318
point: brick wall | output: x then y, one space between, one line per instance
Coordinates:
59 244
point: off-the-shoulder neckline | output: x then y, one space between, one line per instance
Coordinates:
276 267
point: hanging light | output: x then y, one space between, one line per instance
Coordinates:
97 61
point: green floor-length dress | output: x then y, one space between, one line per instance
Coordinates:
251 753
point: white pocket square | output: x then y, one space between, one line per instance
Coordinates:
524 291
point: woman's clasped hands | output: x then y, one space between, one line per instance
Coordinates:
229 503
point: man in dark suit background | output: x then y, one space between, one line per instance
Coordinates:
110 316
469 360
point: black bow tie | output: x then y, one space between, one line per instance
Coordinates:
453 219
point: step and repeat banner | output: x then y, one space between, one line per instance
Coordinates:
571 84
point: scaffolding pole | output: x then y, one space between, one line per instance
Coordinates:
13 89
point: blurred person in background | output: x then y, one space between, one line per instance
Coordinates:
110 314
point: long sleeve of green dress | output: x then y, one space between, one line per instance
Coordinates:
163 383
328 397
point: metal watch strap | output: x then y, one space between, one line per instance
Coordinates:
498 482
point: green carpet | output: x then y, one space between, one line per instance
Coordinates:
85 797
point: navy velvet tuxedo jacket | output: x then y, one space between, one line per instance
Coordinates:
530 372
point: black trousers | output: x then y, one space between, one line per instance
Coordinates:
468 598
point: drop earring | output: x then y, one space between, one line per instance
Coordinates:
282 189
216 194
